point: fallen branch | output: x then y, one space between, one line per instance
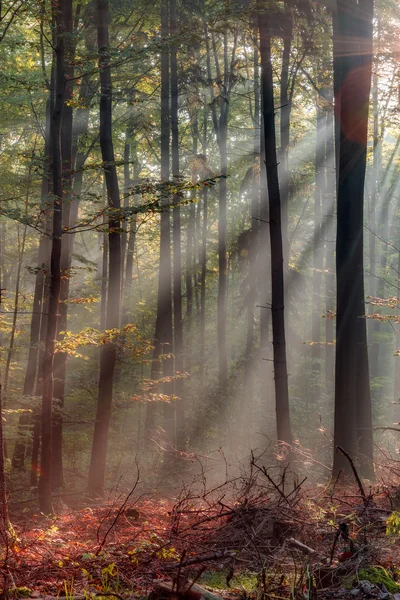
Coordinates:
302 547
119 513
357 477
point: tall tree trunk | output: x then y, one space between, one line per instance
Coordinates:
254 230
222 224
45 481
163 329
60 359
18 458
330 250
108 353
285 111
21 252
3 491
352 66
277 279
374 202
203 262
320 187
177 250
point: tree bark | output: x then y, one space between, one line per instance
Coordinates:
108 353
352 69
277 278
45 481
60 359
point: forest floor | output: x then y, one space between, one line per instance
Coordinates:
250 539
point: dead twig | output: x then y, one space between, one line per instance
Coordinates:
119 512
356 475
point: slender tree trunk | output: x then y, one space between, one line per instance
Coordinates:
203 264
34 468
353 64
254 231
163 329
374 202
18 459
177 250
130 249
3 491
330 250
45 482
4 523
190 253
108 354
21 252
222 261
285 111
277 279
320 187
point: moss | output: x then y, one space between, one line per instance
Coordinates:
22 591
377 575
217 580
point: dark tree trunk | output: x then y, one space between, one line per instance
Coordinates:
108 354
163 328
353 64
285 111
45 481
60 359
277 279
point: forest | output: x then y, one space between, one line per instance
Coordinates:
199 299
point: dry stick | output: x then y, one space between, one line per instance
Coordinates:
357 478
120 511
302 547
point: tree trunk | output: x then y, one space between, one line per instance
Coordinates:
163 329
330 250
320 187
45 481
254 233
277 279
60 359
108 353
353 64
285 111
374 202
177 251
19 453
203 265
